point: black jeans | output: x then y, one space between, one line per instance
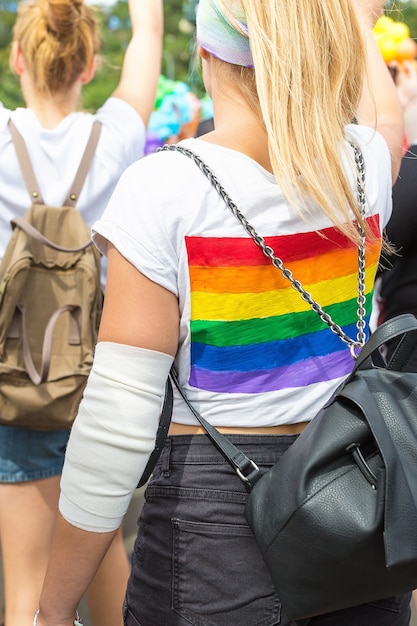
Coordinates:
195 560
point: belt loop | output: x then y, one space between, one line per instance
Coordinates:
166 458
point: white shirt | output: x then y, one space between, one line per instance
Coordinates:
251 352
56 153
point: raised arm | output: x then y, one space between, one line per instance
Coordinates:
142 61
379 107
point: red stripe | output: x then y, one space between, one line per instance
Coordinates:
239 251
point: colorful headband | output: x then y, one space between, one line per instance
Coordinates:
223 31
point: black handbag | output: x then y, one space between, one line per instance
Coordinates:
336 517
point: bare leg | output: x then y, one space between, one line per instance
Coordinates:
107 591
27 518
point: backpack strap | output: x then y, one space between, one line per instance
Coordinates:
74 338
25 164
29 175
84 166
36 234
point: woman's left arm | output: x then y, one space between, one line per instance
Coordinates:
142 61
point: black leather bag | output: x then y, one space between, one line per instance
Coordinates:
336 517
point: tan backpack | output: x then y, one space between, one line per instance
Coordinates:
50 305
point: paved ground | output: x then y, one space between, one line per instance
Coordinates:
130 533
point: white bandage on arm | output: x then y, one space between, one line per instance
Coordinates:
113 435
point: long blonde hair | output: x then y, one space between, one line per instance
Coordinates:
58 40
309 62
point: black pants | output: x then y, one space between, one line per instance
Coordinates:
195 560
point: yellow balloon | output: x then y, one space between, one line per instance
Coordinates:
383 24
399 31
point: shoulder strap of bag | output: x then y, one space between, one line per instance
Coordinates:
163 427
84 166
36 234
355 345
29 175
245 468
400 326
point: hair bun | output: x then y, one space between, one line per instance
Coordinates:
63 16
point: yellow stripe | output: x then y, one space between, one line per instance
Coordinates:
231 307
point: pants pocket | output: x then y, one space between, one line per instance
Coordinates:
219 577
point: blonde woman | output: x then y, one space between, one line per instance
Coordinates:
54 53
187 284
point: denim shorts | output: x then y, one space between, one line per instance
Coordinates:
195 561
27 454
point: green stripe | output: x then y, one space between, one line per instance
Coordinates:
262 330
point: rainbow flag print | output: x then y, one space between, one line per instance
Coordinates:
251 332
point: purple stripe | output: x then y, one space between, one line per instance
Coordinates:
307 372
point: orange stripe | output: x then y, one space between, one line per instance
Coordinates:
263 278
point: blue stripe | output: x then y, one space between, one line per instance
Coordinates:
266 356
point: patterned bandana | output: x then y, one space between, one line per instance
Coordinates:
223 31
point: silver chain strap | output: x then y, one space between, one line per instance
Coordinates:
354 344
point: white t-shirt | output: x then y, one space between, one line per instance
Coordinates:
56 153
251 351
